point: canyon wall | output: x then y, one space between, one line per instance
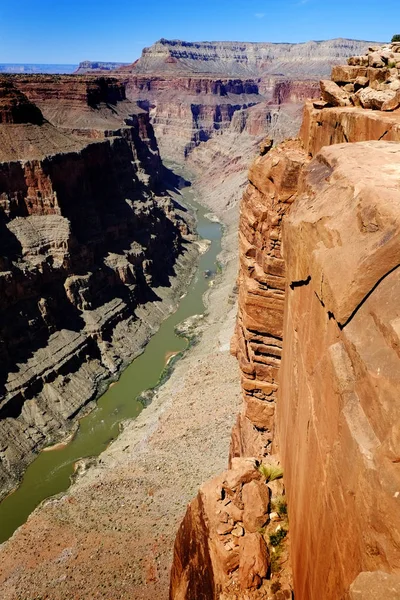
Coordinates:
215 81
246 59
317 344
91 244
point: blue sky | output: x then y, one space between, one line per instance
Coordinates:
68 31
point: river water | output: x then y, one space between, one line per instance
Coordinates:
50 472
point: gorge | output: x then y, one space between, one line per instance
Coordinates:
96 251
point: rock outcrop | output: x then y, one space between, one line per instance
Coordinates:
88 235
317 339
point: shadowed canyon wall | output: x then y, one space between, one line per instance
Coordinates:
317 343
88 237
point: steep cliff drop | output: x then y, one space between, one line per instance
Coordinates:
89 235
317 343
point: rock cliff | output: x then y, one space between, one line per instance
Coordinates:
217 79
317 344
88 237
246 59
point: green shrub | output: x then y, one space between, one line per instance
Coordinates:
396 37
270 472
276 560
279 504
276 538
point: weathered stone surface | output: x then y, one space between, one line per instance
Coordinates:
339 125
333 94
258 339
338 384
254 563
374 99
233 555
363 236
392 104
343 74
255 496
375 586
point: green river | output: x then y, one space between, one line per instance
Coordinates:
50 472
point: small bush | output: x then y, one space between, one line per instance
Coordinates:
270 472
275 587
396 37
276 538
275 560
392 64
279 504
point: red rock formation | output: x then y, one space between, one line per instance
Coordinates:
258 340
221 549
338 409
317 335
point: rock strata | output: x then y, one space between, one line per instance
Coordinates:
85 242
316 336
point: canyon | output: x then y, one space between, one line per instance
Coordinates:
90 235
298 412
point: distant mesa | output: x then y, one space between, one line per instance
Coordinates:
26 69
88 66
246 59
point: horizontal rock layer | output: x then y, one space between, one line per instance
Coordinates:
245 58
85 241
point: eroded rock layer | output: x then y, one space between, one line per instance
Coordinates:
85 242
317 336
217 81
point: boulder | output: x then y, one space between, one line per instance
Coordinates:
361 82
375 60
361 61
255 496
392 104
347 74
260 412
333 94
374 99
243 471
253 562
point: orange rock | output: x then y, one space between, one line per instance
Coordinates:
255 496
333 94
347 74
254 561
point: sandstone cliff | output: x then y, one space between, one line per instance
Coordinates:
85 242
317 345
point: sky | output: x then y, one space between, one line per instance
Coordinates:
69 31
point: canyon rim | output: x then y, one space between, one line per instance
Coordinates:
266 465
